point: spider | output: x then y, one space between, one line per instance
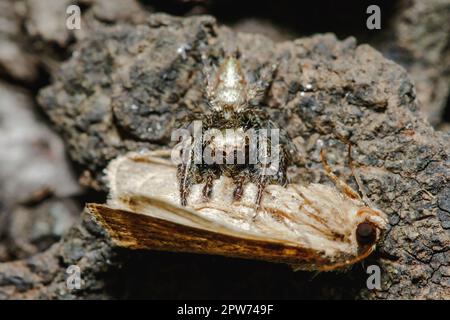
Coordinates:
232 116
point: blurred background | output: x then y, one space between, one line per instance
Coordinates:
41 193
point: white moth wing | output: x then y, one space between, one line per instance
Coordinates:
152 182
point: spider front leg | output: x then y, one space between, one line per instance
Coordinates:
185 174
261 186
273 172
260 179
239 182
184 178
209 177
346 189
257 89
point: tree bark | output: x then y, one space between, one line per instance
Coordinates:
127 87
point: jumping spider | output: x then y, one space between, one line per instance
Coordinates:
231 101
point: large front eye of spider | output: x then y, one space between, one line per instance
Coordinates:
366 233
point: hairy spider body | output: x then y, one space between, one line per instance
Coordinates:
238 140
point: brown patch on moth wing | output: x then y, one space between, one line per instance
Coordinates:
154 157
137 231
282 217
226 209
308 202
131 203
329 232
370 211
278 215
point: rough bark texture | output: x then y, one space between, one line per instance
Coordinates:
36 181
124 88
425 54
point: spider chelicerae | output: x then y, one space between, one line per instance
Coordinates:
238 139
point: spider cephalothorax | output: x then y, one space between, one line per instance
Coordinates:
237 140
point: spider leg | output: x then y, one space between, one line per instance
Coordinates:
239 189
183 176
207 188
184 173
261 187
261 182
346 189
257 90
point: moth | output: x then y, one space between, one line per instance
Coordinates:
312 227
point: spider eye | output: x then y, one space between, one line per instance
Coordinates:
366 233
